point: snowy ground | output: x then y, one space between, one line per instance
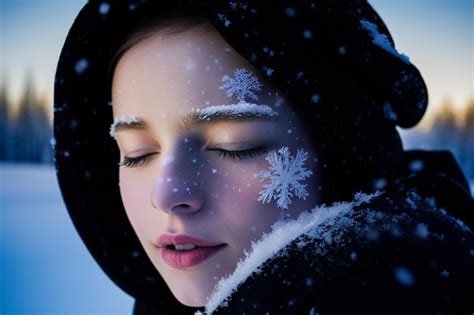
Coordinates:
44 267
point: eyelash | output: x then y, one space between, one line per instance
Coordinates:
136 161
235 155
242 154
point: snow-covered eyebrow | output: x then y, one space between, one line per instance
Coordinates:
127 123
235 112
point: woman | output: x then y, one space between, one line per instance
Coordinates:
198 144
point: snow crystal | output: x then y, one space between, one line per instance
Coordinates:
462 225
268 71
243 85
444 274
309 282
416 165
81 65
190 65
411 203
52 141
241 109
431 201
233 5
121 119
104 8
380 183
315 98
404 276
472 252
382 40
135 254
353 256
341 50
421 231
291 12
268 51
224 19
282 234
389 114
308 34
285 172
372 234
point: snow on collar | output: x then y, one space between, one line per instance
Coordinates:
282 234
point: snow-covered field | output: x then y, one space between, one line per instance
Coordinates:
44 267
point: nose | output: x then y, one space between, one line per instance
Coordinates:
177 189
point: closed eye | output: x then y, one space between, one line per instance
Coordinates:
235 155
136 161
241 154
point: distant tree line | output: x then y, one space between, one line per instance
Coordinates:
27 133
451 130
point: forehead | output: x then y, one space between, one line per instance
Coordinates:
186 67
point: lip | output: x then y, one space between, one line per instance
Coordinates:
187 258
179 239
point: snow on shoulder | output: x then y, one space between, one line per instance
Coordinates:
282 234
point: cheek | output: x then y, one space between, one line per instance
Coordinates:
237 194
134 199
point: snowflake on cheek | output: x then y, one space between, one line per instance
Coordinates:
284 176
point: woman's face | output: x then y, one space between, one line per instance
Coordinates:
187 184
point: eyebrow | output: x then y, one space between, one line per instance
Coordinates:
238 112
127 123
235 112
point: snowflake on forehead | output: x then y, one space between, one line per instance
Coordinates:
284 176
243 85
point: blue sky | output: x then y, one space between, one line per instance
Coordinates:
437 35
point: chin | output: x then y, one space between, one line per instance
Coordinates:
193 293
188 300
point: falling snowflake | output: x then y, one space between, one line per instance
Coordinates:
284 174
243 85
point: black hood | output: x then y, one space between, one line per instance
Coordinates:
335 59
